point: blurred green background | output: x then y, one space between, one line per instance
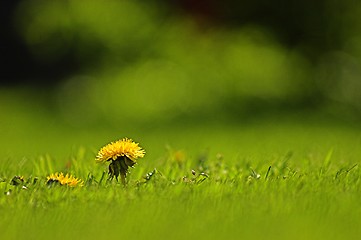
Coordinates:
76 73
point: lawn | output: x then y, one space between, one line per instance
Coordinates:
292 177
250 124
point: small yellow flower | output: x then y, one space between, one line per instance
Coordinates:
125 147
68 180
123 154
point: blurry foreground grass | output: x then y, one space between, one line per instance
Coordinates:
311 191
296 198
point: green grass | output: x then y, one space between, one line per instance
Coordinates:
311 191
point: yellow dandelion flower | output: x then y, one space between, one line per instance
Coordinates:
123 154
125 147
68 179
